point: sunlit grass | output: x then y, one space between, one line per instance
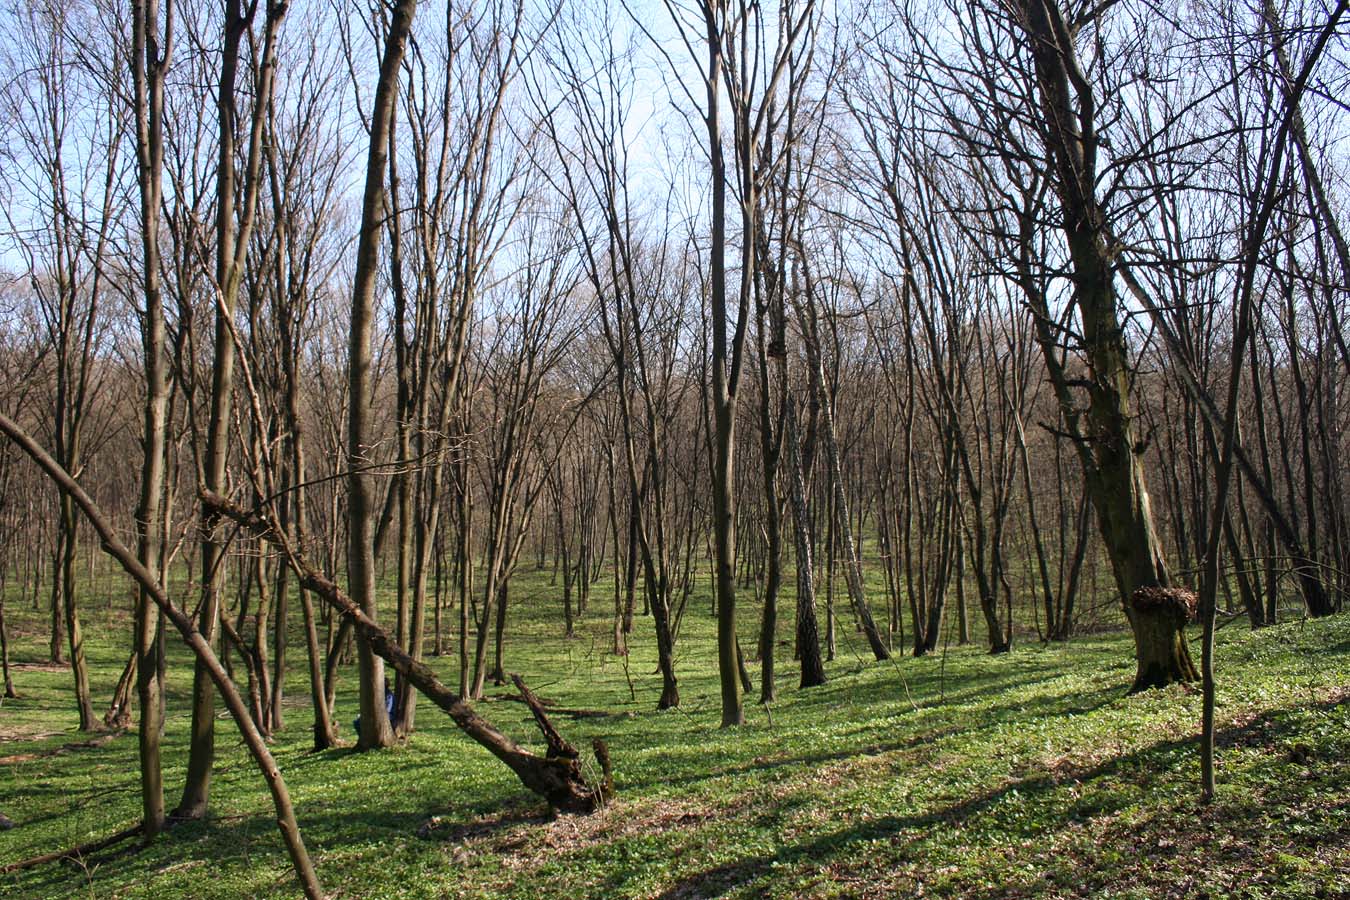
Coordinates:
959 774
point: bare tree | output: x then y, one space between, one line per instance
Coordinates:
375 727
237 191
151 52
67 130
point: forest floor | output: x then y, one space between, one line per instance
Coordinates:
957 775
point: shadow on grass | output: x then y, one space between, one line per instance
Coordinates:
442 829
1154 760
1069 702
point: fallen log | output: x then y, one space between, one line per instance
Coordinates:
557 777
72 852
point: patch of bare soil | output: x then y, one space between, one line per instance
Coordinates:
19 731
521 839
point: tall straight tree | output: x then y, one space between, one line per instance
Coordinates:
711 26
720 28
375 727
751 60
151 50
236 203
774 175
807 302
305 159
532 333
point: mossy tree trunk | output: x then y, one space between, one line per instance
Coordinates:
1108 445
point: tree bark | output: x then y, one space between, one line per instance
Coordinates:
375 727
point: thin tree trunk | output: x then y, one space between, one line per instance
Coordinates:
808 636
230 250
842 521
74 632
375 728
10 692
150 582
465 578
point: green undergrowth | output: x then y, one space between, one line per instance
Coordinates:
956 775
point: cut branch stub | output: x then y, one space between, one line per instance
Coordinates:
602 756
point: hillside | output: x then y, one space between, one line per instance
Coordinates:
1029 774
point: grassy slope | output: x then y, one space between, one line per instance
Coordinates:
1024 775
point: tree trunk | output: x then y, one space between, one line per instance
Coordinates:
57 645
465 578
78 667
808 636
1110 454
1157 617
280 614
375 728
842 522
231 248
10 692
150 582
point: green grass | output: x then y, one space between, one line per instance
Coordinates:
1029 774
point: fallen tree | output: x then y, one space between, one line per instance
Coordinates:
257 747
557 776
